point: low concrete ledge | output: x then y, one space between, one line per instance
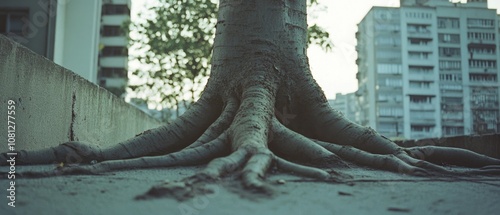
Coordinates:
488 144
54 105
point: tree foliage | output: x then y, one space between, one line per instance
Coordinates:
175 44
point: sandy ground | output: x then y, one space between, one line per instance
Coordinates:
372 192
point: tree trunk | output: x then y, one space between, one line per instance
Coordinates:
260 107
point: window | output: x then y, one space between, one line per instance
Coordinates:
480 36
418 15
449 38
418 28
386 27
451 100
449 64
425 114
111 31
113 72
388 68
417 99
385 40
387 54
421 69
450 87
419 55
391 111
484 97
13 21
390 82
420 84
482 50
483 77
115 9
422 128
114 51
449 130
384 15
480 23
445 22
419 41
450 77
483 64
449 52
390 96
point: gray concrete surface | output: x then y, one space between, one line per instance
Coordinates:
54 105
371 192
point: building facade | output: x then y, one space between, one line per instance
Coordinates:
78 35
348 105
113 55
429 69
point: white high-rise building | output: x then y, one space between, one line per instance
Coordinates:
429 69
113 55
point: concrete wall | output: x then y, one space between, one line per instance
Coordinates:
54 105
488 144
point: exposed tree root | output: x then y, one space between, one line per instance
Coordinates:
235 141
248 154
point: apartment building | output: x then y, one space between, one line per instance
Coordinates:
429 69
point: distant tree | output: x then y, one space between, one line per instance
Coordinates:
175 41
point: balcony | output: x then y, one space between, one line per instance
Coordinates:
421 76
114 41
115 82
484 83
429 61
452 116
484 105
118 61
483 56
482 41
422 120
422 91
422 134
422 106
420 34
420 47
483 70
114 19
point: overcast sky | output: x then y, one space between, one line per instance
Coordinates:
336 71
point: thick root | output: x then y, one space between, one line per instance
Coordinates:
298 169
255 169
192 156
451 156
387 162
220 125
73 152
219 166
295 146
